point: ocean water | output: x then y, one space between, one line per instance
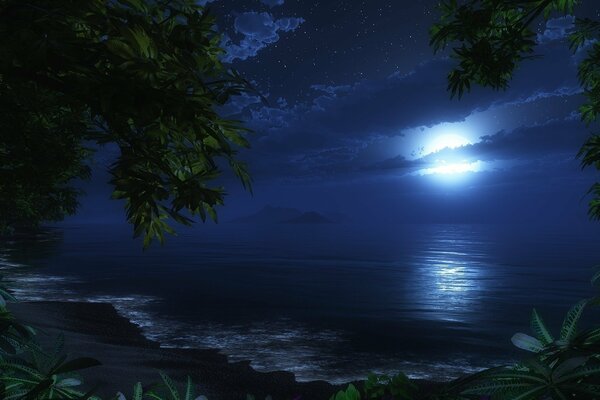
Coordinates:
330 302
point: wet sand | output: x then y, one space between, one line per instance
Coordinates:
97 330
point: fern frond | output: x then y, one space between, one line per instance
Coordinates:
539 328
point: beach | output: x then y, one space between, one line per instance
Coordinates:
96 330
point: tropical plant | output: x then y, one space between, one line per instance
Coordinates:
566 367
490 38
24 379
536 380
14 336
251 397
571 342
455 389
41 151
166 391
396 387
351 393
5 293
143 76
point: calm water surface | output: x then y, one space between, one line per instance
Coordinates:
324 301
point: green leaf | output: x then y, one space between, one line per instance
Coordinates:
569 327
583 372
68 382
137 391
189 389
351 393
170 385
492 387
120 48
568 366
539 328
596 278
527 342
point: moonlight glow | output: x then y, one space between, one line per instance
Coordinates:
452 169
446 167
451 141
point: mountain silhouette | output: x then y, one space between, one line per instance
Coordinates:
309 218
281 215
270 215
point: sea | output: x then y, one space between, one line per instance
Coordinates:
325 301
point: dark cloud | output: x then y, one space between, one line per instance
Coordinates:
528 147
398 162
240 103
273 3
557 29
556 138
385 107
340 121
257 31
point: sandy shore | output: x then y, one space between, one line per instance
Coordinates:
96 330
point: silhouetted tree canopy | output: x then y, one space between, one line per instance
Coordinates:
143 75
489 38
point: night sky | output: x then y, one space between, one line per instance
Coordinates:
358 117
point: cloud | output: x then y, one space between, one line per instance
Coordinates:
364 125
239 103
556 138
557 29
398 162
386 107
258 30
273 3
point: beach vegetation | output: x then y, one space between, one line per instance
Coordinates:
571 342
350 393
14 336
53 378
166 390
383 386
565 367
140 81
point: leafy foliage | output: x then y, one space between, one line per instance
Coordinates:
251 397
145 76
490 38
166 391
494 37
382 386
40 153
31 380
456 389
14 336
571 343
535 380
351 393
562 368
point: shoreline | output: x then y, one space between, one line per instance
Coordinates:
97 330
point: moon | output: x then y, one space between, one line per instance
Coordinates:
452 168
449 141
449 167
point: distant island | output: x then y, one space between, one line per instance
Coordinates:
281 215
309 218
